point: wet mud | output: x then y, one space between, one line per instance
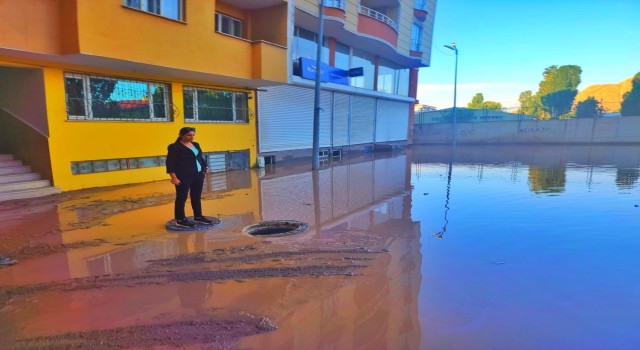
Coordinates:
97 270
222 333
308 262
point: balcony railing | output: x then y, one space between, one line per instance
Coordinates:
378 16
340 4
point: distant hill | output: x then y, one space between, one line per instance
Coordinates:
609 94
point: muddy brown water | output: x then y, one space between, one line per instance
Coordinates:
98 270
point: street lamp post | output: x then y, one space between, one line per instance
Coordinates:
455 87
315 163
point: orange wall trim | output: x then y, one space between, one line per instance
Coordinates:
415 53
421 15
370 26
334 12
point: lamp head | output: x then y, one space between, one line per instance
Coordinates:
452 47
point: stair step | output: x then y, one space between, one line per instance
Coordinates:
6 157
28 193
6 163
19 177
11 170
23 185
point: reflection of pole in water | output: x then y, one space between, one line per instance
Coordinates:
315 178
589 177
446 203
514 171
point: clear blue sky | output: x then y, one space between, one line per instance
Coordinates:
504 45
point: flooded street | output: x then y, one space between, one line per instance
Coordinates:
474 248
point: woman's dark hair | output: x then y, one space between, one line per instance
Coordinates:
184 131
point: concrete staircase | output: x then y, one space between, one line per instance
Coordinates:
18 182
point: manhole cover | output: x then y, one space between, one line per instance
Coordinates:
275 228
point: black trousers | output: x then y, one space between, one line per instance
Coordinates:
192 187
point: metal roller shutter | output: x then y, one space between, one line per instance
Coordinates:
362 119
285 118
340 119
392 120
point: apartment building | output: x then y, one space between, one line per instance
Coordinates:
92 92
371 52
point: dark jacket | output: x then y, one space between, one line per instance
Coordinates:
182 161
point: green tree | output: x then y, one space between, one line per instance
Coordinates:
478 102
559 78
589 108
558 88
494 106
529 103
631 101
559 102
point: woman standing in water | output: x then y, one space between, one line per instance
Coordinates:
187 167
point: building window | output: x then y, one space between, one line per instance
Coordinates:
104 98
416 37
420 5
392 78
166 8
366 61
207 105
304 45
228 25
335 3
342 56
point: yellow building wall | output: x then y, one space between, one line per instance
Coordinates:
85 140
108 29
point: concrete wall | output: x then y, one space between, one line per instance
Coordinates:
578 130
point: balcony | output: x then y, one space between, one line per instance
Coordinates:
377 16
377 25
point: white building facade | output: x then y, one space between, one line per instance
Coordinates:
371 53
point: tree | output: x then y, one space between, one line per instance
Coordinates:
530 103
490 105
558 88
549 101
559 78
478 102
559 102
631 100
589 108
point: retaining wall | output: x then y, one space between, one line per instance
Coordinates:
577 130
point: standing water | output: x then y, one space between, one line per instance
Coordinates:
529 247
473 248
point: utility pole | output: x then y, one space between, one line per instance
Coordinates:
316 104
455 88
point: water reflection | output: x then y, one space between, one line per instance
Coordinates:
547 180
546 165
359 212
541 246
627 178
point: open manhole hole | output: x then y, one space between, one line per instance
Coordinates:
275 228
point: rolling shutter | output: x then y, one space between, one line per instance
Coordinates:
340 119
285 116
362 119
392 120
